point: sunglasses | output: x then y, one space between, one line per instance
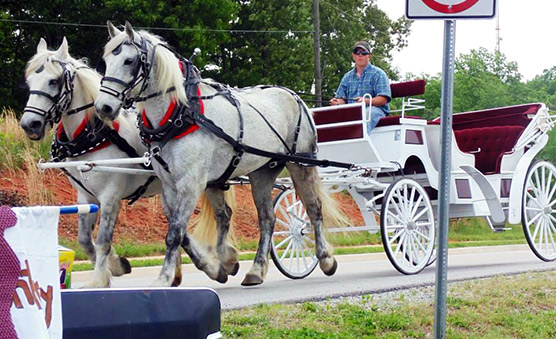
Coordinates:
360 52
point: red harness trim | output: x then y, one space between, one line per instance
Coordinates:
81 128
169 112
193 128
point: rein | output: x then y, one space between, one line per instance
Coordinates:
183 118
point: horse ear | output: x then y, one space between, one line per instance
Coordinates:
41 46
63 52
129 31
112 30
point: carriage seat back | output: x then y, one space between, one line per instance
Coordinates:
354 113
337 115
408 88
488 144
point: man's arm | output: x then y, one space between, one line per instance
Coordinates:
379 100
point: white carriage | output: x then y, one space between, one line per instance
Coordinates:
493 175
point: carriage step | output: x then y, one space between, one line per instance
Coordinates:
501 229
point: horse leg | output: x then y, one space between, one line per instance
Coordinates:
179 206
223 213
86 226
306 183
262 182
107 262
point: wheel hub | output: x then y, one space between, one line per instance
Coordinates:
411 225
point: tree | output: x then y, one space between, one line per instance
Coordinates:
343 22
195 23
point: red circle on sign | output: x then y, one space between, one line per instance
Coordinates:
450 9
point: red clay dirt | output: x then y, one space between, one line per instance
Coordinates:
142 222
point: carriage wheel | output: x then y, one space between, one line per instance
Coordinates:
538 215
293 242
407 226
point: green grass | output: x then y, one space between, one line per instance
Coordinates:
520 306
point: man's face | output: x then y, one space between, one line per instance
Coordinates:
361 57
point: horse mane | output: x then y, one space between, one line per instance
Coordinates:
87 77
168 71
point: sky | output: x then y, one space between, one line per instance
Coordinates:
527 30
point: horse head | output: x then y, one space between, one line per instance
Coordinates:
49 76
128 58
125 67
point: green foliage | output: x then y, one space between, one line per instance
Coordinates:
243 43
343 22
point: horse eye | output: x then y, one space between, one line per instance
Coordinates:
128 61
53 82
117 50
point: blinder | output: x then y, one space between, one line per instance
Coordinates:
101 66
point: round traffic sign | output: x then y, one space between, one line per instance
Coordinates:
450 9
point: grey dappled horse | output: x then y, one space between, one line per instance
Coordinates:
138 63
63 89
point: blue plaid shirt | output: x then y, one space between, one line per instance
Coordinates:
373 80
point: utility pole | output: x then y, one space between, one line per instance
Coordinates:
316 53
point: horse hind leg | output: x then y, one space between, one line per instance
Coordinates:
227 254
307 185
262 182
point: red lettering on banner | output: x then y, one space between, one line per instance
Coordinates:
33 293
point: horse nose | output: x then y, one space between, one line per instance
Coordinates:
33 128
106 110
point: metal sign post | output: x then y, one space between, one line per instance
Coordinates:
447 10
444 184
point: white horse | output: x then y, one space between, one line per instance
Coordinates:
269 118
63 89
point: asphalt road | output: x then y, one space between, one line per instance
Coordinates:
357 274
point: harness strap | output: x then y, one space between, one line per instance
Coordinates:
79 109
140 190
217 131
76 181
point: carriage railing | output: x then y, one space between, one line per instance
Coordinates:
409 104
541 124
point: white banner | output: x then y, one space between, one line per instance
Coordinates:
36 310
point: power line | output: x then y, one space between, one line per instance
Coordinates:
155 28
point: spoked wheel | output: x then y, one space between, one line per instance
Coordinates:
407 226
293 241
538 212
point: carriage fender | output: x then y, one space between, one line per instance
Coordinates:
518 181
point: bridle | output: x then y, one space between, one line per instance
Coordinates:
140 73
60 101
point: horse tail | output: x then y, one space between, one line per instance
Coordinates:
205 228
332 215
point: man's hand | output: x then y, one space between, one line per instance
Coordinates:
337 101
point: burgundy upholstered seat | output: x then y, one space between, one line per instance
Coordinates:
491 144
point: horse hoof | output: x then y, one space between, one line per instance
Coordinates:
176 282
332 269
235 269
251 280
125 265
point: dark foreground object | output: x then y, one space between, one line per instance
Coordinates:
141 313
